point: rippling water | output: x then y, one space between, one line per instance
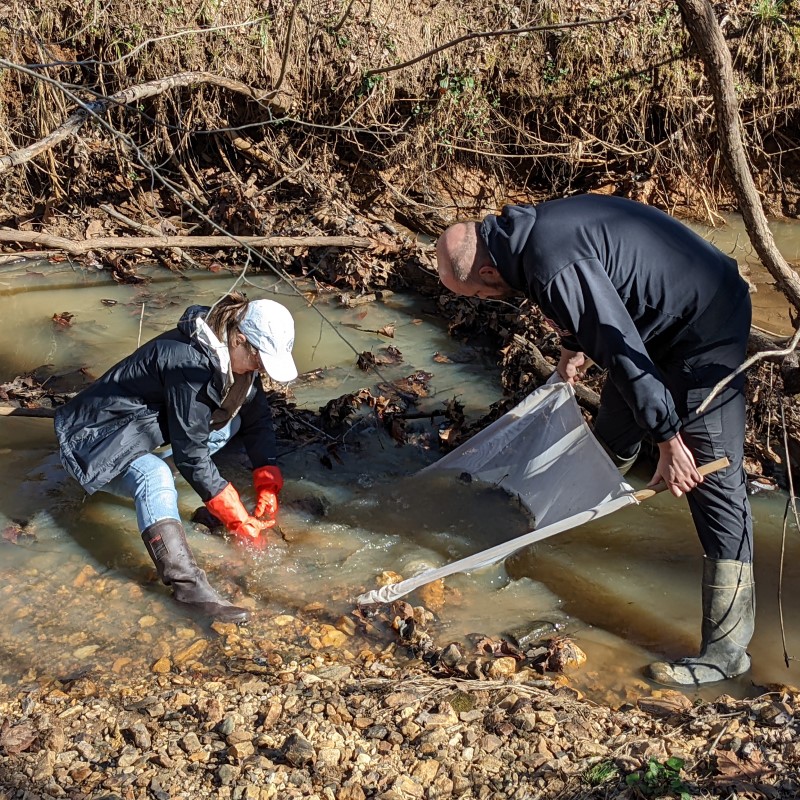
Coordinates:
82 588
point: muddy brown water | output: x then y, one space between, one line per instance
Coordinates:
770 310
81 594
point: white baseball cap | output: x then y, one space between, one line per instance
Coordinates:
269 327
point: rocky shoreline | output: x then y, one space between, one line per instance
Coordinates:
295 707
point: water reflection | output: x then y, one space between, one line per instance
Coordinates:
85 589
770 310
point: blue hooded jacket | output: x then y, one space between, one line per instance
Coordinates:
625 283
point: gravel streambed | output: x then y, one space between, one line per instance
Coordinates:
301 705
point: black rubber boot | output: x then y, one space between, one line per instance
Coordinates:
166 543
729 609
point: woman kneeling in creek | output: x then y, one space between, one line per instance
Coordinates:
193 388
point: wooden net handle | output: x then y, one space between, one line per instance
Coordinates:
706 469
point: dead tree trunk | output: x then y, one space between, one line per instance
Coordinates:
704 29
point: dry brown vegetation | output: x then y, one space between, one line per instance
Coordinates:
620 104
289 118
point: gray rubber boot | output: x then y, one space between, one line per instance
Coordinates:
729 607
167 546
623 464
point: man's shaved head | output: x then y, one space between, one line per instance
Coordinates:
457 251
465 265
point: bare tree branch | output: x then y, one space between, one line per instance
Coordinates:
130 95
286 50
507 32
767 354
74 248
139 226
703 26
151 40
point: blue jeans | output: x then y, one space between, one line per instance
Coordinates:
148 480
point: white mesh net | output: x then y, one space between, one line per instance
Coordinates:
543 452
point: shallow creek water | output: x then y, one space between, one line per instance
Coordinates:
82 593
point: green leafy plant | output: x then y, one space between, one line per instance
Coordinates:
768 12
599 773
658 779
552 74
456 85
390 45
368 83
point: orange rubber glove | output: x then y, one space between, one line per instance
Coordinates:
227 507
268 481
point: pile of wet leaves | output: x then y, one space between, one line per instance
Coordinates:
540 648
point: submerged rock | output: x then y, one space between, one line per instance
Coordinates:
531 633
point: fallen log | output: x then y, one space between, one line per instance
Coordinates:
543 369
141 227
762 343
78 248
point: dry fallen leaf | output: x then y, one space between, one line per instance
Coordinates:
13 532
667 704
64 319
393 355
94 228
732 767
18 738
366 361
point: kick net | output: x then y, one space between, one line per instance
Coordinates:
543 452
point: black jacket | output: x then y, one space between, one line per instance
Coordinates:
163 393
628 285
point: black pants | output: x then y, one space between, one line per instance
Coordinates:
719 505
